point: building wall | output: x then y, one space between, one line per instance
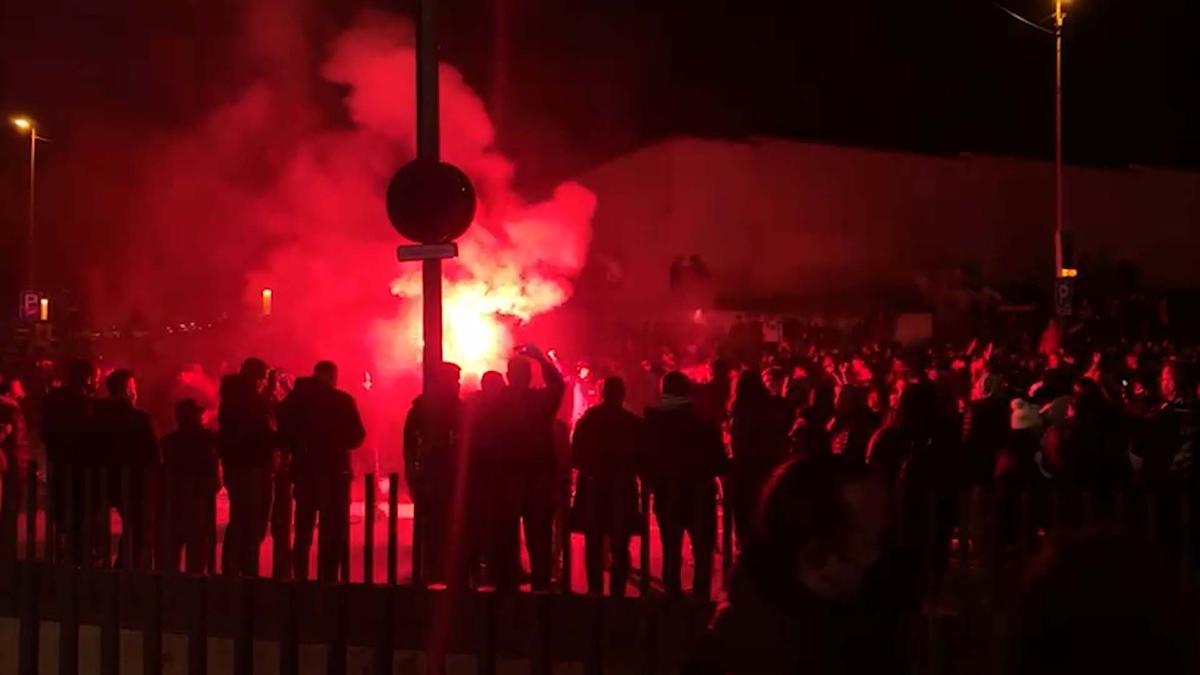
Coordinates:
772 216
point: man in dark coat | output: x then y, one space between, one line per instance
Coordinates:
250 457
124 441
66 426
193 478
529 460
14 462
605 451
321 426
684 454
433 455
759 439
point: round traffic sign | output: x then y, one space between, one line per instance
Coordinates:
430 202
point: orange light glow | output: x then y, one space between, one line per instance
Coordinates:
267 298
23 123
1068 273
44 309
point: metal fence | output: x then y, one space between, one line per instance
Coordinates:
977 544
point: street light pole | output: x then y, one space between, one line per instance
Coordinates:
428 148
1059 17
30 242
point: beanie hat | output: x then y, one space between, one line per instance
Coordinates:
1025 415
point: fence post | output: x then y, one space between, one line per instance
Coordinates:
1025 524
110 625
644 586
167 560
152 662
382 657
344 543
486 662
29 637
393 525
68 625
418 539
650 617
50 551
289 640
540 662
86 524
369 529
594 659
31 508
149 513
1152 516
243 641
197 650
336 662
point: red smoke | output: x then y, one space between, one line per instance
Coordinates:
269 193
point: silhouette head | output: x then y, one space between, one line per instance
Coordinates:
520 373
189 414
613 391
12 388
675 383
121 385
491 383
326 372
446 380
83 375
255 371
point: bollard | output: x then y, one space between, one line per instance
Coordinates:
644 585
289 639
147 542
197 649
87 534
168 560
68 626
486 662
369 530
344 533
393 524
152 661
281 529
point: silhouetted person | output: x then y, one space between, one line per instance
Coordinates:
66 427
808 594
712 398
14 463
1088 451
1104 604
193 479
250 458
527 430
683 456
759 440
985 430
485 480
321 426
433 456
124 440
605 450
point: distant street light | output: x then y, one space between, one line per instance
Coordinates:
27 125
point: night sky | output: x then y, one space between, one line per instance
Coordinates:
574 83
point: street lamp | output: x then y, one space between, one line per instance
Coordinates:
27 125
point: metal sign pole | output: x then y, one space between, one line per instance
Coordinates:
428 148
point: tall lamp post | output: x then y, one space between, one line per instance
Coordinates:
1059 17
27 125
